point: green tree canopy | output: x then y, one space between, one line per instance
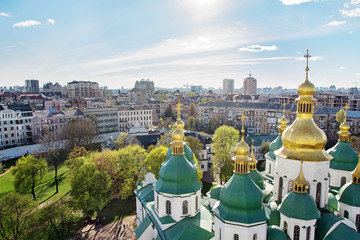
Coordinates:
169 112
106 160
265 147
191 123
131 159
154 160
194 143
90 187
28 171
355 143
120 141
224 140
340 116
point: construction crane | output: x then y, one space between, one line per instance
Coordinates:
187 85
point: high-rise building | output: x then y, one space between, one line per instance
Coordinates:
228 86
32 86
249 85
82 89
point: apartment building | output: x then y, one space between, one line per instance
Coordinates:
83 89
128 116
16 125
106 118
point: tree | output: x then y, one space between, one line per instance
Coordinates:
80 133
165 139
169 112
265 147
15 216
355 143
154 160
194 143
191 123
90 187
131 169
192 110
120 141
340 116
106 160
51 146
224 140
28 171
199 172
212 126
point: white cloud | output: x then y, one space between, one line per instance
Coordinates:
341 68
355 2
4 14
294 2
26 23
350 32
257 48
351 13
313 58
50 21
336 23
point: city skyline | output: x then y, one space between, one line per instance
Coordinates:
198 42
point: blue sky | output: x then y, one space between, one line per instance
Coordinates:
174 42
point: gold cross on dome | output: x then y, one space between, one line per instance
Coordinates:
346 108
307 59
243 117
284 104
178 109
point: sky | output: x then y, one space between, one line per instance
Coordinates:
180 42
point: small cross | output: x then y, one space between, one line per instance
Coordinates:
307 59
346 109
284 104
243 117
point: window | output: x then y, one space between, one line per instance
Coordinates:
285 227
346 214
255 237
157 201
280 189
318 194
342 181
185 207
296 232
236 237
357 222
168 207
308 233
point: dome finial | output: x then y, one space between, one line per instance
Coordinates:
344 134
179 123
242 149
356 173
307 56
283 121
243 117
300 182
253 162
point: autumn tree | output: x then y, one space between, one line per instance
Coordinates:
106 160
224 140
28 171
154 159
76 153
130 169
191 123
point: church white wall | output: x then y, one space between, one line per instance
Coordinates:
177 204
352 212
225 231
303 225
336 175
269 166
314 173
139 212
147 234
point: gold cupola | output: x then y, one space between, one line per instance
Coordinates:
344 134
253 162
242 149
300 182
283 122
178 135
303 136
356 173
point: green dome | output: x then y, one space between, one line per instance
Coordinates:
177 176
257 178
332 201
188 154
215 192
276 233
275 145
345 158
241 201
299 206
350 194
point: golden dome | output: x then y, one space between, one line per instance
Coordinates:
178 135
253 160
180 124
300 182
356 173
283 122
344 127
306 88
242 148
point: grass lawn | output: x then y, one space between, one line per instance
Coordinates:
116 210
45 189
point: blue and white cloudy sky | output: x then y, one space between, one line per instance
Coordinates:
174 42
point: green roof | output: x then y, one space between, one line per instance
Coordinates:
198 227
215 192
187 151
275 145
177 176
342 231
143 226
257 178
275 233
345 158
350 194
332 201
299 206
241 201
146 194
272 214
325 223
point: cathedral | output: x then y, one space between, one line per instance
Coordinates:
305 192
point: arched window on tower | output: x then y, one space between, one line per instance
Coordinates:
168 207
318 194
185 207
308 233
236 237
280 189
255 236
285 227
296 232
357 222
342 181
346 214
